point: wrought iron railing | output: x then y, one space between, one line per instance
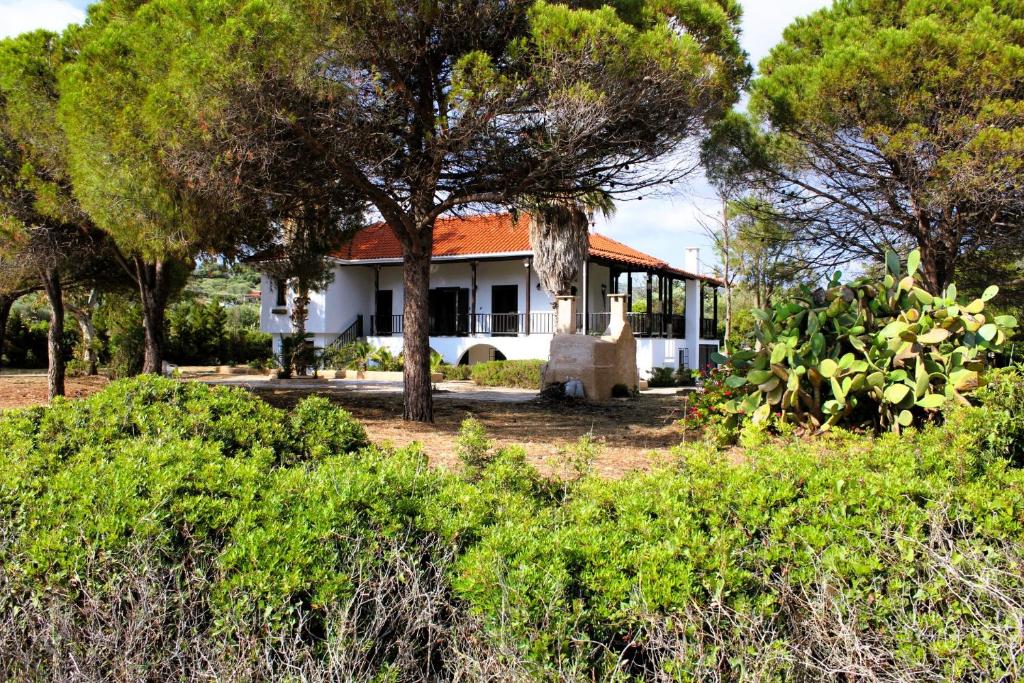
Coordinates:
386 325
352 333
668 325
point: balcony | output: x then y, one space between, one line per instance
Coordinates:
645 325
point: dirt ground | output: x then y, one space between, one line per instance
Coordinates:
22 391
631 434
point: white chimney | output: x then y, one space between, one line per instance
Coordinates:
692 262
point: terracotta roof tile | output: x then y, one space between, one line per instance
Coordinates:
485 234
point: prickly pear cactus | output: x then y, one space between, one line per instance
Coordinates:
886 352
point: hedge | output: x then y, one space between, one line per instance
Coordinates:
515 374
173 531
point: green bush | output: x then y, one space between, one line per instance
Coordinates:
661 377
473 447
185 532
515 374
1003 398
321 429
685 377
455 372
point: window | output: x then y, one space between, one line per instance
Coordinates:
281 286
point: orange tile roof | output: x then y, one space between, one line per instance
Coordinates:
490 234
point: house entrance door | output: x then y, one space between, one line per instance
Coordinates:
449 312
384 318
505 309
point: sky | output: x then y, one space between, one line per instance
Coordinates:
663 225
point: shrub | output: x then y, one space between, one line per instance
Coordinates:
885 353
661 377
705 408
515 374
809 560
685 377
180 532
1003 398
455 372
320 429
473 447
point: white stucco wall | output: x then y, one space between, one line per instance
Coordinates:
351 293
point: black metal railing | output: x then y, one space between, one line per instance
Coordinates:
386 325
668 325
642 324
352 333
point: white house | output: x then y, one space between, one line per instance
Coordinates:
486 301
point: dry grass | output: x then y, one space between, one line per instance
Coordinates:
632 435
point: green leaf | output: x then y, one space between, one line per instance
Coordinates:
989 293
718 358
759 376
923 297
828 368
779 353
936 335
988 331
1006 321
905 418
893 329
735 381
896 393
892 262
932 401
913 261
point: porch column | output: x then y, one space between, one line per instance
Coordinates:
375 323
629 291
714 313
650 303
586 295
529 292
472 299
668 309
692 322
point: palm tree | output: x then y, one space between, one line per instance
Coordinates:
559 236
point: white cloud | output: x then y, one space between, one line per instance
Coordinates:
20 16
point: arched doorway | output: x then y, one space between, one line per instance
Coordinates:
480 353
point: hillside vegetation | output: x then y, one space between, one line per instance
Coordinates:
170 531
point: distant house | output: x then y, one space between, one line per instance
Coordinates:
486 301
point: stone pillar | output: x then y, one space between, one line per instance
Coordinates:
617 310
566 306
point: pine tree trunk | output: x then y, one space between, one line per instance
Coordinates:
300 313
88 330
419 401
152 281
55 335
728 277
6 303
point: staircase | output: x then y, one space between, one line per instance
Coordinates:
352 333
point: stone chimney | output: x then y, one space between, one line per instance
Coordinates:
692 261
